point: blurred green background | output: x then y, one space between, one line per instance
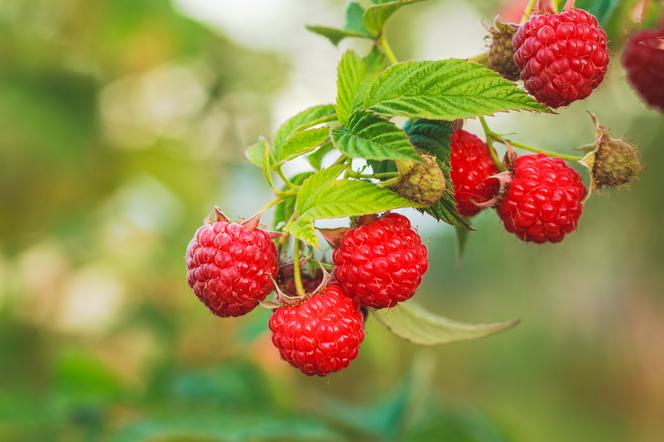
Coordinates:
122 122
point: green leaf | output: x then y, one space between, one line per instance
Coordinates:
350 74
374 63
316 158
322 196
302 142
433 137
376 15
335 35
415 324
353 79
445 90
601 9
370 137
256 151
354 19
304 120
284 210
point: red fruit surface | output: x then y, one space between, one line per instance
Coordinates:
381 263
471 166
231 268
544 201
321 335
643 60
562 57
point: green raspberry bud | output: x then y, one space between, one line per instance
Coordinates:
422 182
613 162
501 51
616 163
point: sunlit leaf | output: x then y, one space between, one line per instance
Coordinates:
445 90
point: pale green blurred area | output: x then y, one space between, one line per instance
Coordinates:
122 122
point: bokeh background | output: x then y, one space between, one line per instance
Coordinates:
122 122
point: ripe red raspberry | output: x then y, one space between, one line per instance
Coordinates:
381 263
644 62
471 166
544 201
230 268
320 335
563 57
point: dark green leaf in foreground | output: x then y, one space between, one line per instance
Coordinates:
370 137
433 137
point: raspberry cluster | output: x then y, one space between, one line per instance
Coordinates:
317 320
233 267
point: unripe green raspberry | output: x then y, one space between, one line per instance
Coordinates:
616 163
613 162
421 182
501 51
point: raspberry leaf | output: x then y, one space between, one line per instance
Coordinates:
322 196
445 90
302 142
285 209
334 35
354 76
413 323
316 158
371 137
601 9
306 119
354 19
350 74
353 28
433 137
377 15
255 152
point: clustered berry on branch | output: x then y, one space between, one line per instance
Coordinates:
364 166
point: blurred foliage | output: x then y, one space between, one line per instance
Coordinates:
122 122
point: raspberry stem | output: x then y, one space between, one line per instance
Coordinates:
377 176
387 50
297 274
489 142
493 136
549 153
528 10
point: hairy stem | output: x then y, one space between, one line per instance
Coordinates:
297 274
489 135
